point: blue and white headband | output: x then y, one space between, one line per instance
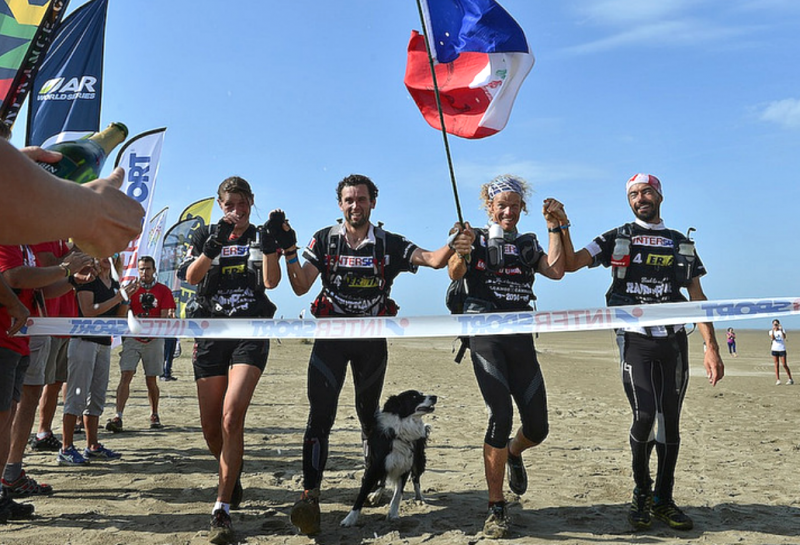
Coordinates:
503 184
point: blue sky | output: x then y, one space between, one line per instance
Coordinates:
293 96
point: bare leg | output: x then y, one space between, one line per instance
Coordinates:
153 393
124 389
243 380
47 406
23 422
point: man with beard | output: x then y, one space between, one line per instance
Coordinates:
650 264
358 262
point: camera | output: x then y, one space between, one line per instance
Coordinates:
148 301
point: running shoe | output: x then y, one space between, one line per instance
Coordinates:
114 425
497 521
155 422
670 513
70 457
639 511
25 486
790 382
305 513
48 443
517 477
12 510
221 532
101 454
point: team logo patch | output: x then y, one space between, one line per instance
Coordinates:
652 241
235 251
656 260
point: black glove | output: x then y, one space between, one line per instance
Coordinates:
213 245
529 252
268 243
274 226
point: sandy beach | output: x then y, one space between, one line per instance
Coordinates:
737 475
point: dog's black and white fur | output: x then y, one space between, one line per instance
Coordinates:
396 449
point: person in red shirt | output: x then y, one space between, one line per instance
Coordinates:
18 398
151 300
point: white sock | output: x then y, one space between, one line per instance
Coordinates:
42 434
220 505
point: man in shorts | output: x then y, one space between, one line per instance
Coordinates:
151 300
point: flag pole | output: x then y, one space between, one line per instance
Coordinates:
441 115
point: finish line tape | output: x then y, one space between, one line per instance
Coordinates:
496 323
394 327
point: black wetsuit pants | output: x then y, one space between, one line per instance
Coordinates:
326 373
506 367
655 374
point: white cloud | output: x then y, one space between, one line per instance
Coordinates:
784 112
659 34
627 23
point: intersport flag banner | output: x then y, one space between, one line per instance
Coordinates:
66 93
139 157
26 31
481 57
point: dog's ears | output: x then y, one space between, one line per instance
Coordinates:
392 405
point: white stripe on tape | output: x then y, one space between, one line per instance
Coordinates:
494 323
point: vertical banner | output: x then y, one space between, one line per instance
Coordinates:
153 236
201 209
26 30
139 157
176 248
66 93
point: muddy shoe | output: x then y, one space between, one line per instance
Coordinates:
496 525
305 513
221 532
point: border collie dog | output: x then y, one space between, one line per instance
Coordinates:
396 449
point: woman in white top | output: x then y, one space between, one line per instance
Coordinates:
778 336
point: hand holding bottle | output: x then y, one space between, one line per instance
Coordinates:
82 160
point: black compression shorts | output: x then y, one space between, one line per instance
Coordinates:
213 357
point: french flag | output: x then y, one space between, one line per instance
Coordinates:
481 57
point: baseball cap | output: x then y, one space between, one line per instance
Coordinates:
648 179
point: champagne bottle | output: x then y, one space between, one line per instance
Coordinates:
84 159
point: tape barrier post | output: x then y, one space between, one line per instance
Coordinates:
450 325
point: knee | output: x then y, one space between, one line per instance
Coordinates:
642 427
535 432
498 431
232 422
